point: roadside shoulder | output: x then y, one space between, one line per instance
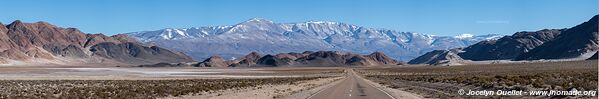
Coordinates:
396 93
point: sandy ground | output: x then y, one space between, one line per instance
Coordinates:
128 73
298 90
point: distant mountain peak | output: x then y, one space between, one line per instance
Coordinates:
322 22
257 19
464 36
15 23
261 35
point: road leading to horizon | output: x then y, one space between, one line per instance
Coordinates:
353 87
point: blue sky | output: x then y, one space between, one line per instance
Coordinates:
438 17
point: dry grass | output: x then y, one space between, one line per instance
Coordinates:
127 89
443 82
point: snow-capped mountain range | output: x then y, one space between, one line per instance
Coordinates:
267 37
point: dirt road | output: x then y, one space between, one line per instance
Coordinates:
353 87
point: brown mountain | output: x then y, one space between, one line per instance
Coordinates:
439 57
246 61
326 58
44 43
308 58
270 60
213 61
380 58
376 58
281 59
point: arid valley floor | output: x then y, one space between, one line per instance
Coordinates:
384 82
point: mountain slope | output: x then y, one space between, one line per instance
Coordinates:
508 47
595 56
439 57
580 41
43 43
267 37
577 43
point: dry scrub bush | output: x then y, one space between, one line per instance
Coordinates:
102 89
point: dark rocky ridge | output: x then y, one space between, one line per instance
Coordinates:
135 53
246 61
307 58
505 48
42 42
576 42
508 47
65 51
270 60
439 57
571 43
326 58
594 57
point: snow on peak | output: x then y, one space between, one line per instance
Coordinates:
322 22
464 36
300 36
258 20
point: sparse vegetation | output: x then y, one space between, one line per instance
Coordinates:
443 82
128 89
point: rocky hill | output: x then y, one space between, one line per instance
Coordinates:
440 57
43 43
305 59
